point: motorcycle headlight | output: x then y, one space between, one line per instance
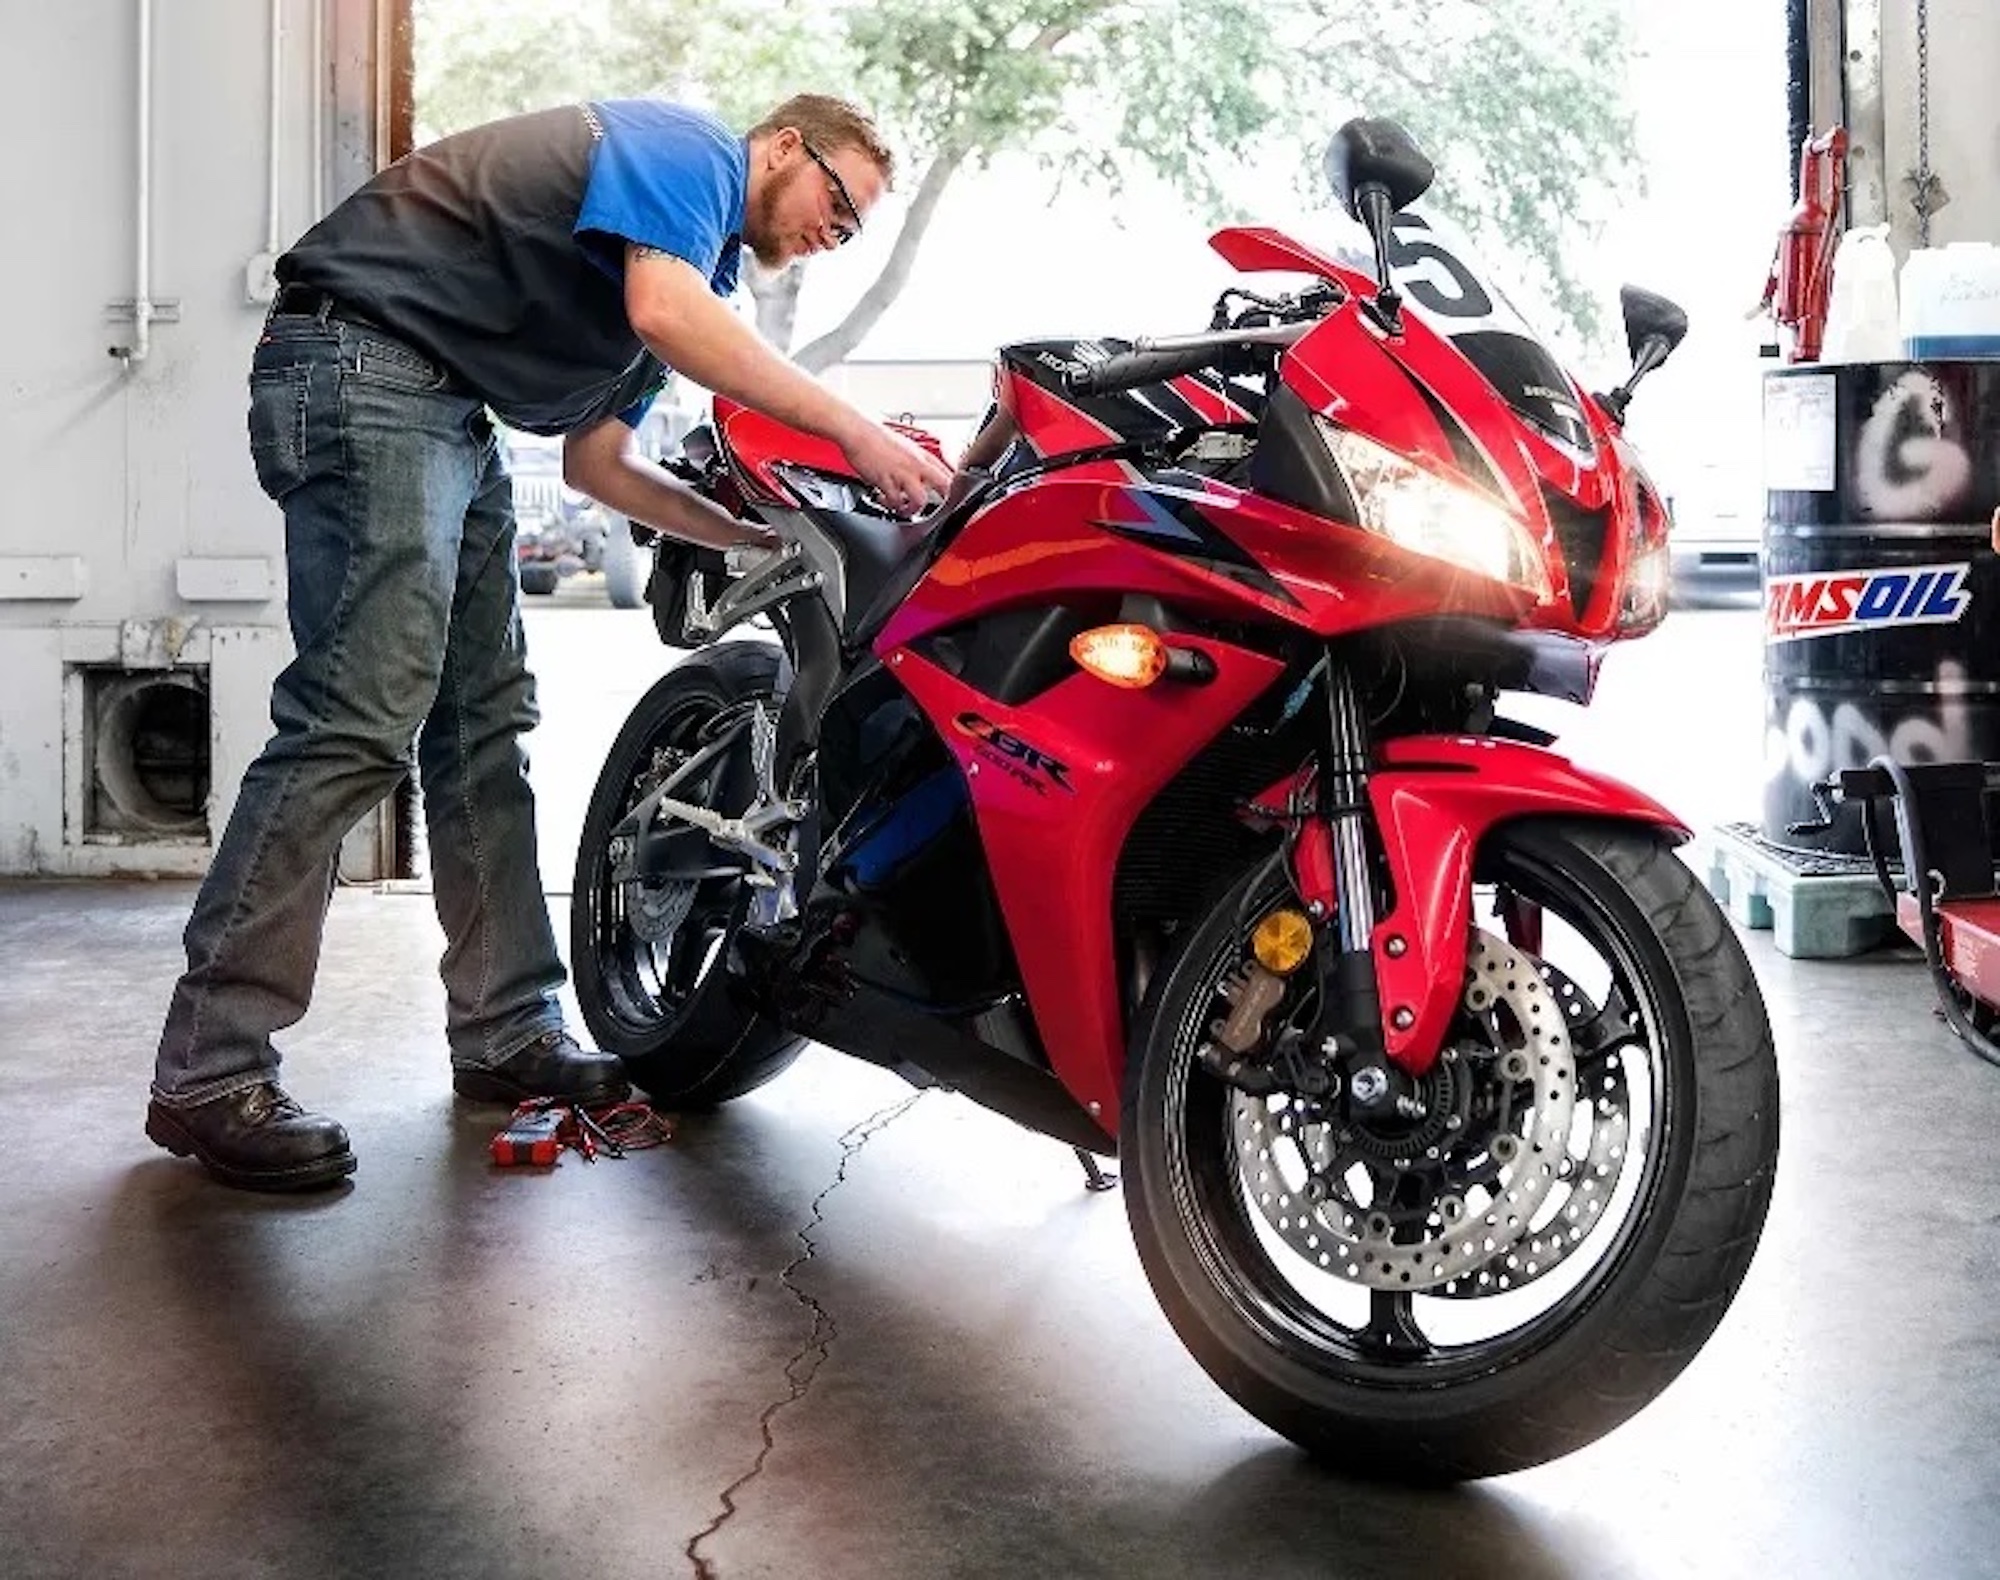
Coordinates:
1648 580
1649 568
1422 512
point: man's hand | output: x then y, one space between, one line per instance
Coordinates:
689 328
902 472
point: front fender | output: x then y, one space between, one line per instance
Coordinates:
1435 798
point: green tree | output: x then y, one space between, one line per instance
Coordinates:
1520 104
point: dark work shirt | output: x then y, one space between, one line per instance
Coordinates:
500 252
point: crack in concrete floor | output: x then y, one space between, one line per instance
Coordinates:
804 1366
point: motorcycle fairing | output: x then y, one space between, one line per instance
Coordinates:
1435 798
900 863
1056 785
1057 779
761 445
1344 371
1055 421
1110 528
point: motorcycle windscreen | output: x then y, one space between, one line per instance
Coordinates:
1439 275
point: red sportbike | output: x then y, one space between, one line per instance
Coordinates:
1153 791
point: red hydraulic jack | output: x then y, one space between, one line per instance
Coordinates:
1945 898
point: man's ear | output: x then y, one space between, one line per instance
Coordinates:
782 145
1996 531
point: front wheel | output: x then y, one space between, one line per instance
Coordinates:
1524 1266
649 957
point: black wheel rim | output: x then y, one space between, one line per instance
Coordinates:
1400 1338
648 984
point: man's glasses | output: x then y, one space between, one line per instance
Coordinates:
843 232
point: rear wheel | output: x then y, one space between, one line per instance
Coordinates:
648 957
1513 1275
539 578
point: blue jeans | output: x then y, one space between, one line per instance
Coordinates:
406 620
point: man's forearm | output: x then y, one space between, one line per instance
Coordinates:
700 337
639 489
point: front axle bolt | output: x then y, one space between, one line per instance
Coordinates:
1369 1085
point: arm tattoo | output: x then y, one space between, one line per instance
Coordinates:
639 252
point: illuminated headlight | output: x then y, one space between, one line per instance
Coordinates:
1419 511
1649 571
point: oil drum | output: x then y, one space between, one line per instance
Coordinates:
1881 586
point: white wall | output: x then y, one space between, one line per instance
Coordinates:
131 527
1965 116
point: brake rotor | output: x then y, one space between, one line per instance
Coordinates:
1584 1184
1284 1159
656 911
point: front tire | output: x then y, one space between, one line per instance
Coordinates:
649 961
1516 1360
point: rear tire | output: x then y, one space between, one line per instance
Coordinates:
668 1006
1390 1383
539 579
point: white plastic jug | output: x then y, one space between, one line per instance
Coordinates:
1951 302
1861 318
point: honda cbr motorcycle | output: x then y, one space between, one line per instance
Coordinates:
1154 792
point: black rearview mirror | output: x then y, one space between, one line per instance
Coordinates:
1653 327
1377 153
1651 317
1376 168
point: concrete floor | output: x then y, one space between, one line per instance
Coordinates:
448 1369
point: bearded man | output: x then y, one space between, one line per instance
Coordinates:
548 270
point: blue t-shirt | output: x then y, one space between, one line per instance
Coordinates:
667 177
499 252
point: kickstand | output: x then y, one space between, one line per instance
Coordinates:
1095 1178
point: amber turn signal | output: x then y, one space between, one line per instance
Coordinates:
1132 656
1283 942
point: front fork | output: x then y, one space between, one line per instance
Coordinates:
1333 874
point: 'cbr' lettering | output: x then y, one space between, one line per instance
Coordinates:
1012 746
